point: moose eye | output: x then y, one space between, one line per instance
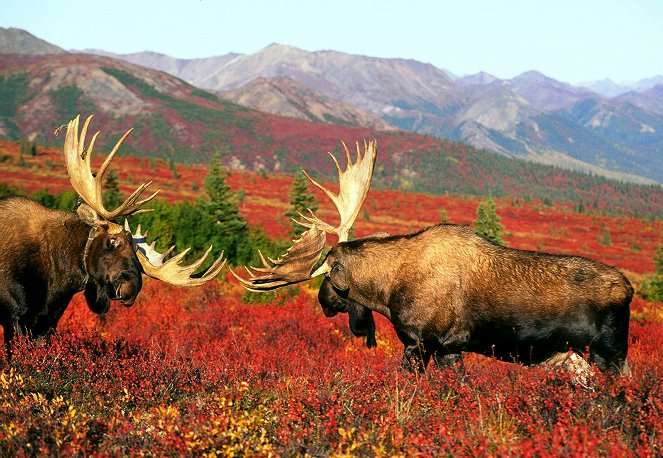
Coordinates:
114 242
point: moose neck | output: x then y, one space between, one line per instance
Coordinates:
71 247
368 289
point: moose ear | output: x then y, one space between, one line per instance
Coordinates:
89 216
338 277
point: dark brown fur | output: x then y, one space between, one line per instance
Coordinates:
448 290
42 266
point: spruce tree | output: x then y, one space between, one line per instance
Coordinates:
301 200
488 224
112 197
228 226
652 289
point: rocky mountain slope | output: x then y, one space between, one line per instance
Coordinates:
17 41
527 116
285 97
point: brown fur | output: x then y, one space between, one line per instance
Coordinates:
42 266
447 290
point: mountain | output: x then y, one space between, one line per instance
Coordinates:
174 120
17 41
283 96
546 94
651 100
190 70
530 116
607 88
526 116
478 79
647 84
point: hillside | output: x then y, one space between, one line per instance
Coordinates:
17 41
526 115
175 121
285 97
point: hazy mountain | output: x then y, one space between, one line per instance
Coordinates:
648 83
17 41
283 96
545 93
651 100
478 79
190 70
607 88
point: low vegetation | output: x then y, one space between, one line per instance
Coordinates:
218 371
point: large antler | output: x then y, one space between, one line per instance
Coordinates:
293 267
170 271
354 185
298 262
78 158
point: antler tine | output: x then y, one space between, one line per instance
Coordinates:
354 184
89 186
293 267
171 271
298 262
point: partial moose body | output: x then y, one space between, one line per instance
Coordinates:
448 290
47 256
42 266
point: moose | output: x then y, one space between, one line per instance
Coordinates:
447 290
47 256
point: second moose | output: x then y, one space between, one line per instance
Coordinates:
447 290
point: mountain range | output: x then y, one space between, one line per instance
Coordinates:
530 116
177 121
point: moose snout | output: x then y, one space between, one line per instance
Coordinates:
125 287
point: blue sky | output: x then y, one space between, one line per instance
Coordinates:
572 41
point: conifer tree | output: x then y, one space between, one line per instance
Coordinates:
301 200
228 226
112 197
652 289
488 224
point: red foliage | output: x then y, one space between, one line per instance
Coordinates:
197 371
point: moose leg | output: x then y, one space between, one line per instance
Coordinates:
452 360
609 350
415 357
362 323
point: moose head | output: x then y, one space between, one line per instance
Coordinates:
114 258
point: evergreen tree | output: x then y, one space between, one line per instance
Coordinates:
173 168
301 200
488 224
444 218
112 197
228 226
652 289
603 237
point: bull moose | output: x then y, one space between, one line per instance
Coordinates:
447 290
47 256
